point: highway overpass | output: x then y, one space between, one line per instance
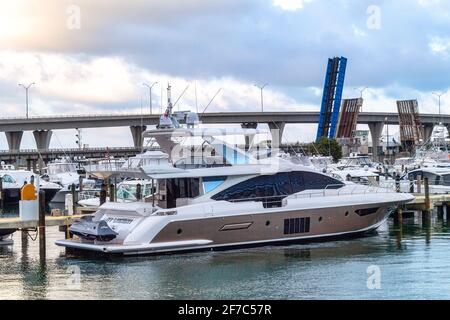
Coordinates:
42 126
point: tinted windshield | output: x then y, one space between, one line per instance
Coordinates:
445 180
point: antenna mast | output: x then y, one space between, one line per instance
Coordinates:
169 99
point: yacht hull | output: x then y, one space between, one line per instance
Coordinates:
251 230
12 196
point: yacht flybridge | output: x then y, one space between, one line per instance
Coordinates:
221 197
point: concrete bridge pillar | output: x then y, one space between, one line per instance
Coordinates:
376 130
277 129
136 133
14 139
249 138
427 131
42 138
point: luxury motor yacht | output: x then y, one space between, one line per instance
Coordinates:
240 202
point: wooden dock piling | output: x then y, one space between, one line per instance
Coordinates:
440 211
397 183
41 224
398 217
80 183
2 195
426 214
112 193
419 184
138 192
73 191
103 193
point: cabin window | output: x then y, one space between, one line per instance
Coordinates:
8 179
272 189
181 188
445 180
212 183
366 212
415 175
433 179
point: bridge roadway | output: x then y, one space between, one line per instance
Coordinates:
42 126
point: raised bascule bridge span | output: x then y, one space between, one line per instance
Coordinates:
42 127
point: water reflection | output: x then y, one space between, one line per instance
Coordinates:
329 270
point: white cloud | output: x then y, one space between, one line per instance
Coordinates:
291 5
440 46
67 84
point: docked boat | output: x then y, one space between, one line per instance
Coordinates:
13 180
438 179
66 173
242 202
6 233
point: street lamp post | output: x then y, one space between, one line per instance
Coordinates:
387 138
262 97
26 94
150 92
361 91
439 95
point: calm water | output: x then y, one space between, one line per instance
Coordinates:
414 264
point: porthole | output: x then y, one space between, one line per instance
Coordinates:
267 223
179 231
320 219
346 214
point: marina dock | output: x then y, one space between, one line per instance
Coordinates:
16 223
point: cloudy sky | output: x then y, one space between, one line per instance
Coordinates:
91 57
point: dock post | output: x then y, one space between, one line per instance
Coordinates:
397 183
398 217
447 211
419 184
112 193
80 183
73 190
103 194
138 192
426 214
440 212
411 184
2 195
41 225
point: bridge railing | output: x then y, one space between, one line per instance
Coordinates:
82 115
70 150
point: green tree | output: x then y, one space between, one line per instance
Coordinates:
327 147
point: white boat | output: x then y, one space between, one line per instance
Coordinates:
358 162
5 235
13 180
66 173
243 202
438 179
